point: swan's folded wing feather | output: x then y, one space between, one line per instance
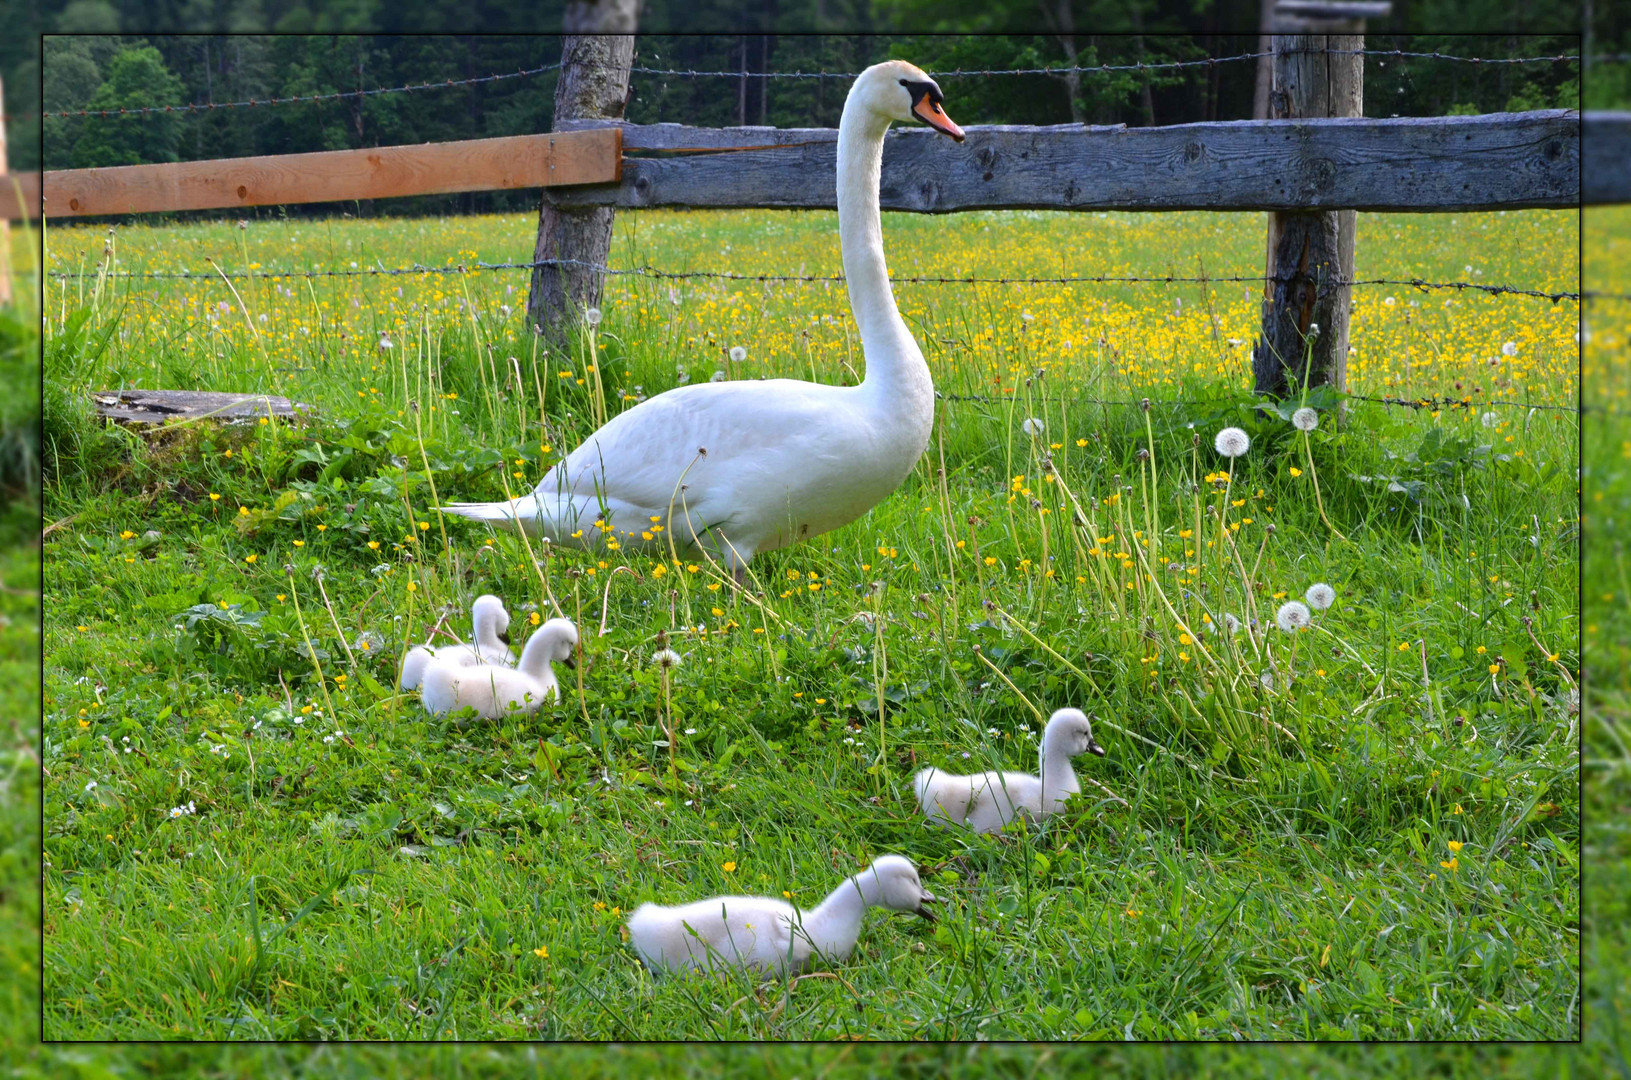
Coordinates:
639 457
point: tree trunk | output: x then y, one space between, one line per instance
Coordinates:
596 55
1315 75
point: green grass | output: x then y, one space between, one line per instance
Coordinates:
1271 866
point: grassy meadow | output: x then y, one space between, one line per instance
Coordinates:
1369 829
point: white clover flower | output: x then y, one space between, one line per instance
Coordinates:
1232 442
738 354
1033 427
690 731
1292 616
1510 348
1305 419
592 316
1231 624
1320 596
666 658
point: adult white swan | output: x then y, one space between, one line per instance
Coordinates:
738 468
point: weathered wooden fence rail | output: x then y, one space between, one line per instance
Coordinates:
1498 161
519 161
1606 164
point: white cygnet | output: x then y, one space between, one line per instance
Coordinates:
772 935
494 690
987 801
490 622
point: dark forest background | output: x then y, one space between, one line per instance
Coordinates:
124 54
129 71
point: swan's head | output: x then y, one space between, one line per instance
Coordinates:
898 887
1070 731
903 92
489 610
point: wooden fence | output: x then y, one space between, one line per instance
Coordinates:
1498 161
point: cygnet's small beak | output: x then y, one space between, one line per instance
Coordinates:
923 912
571 661
504 636
1094 748
930 112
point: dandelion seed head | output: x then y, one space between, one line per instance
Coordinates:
1033 427
1232 442
1292 616
1231 624
1509 348
1320 596
592 316
666 658
1305 419
738 354
718 376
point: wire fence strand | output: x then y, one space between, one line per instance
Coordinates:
686 73
304 99
1418 284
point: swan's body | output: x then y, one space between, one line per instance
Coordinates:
494 690
489 621
771 935
737 468
987 801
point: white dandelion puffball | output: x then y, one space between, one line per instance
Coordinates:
1232 442
1489 420
1320 596
1033 426
1305 419
1510 348
718 376
738 354
666 658
592 316
385 342
1231 624
1292 616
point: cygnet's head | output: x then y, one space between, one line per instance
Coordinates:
903 92
489 609
899 887
561 640
1070 731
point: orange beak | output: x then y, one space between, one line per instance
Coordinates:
932 114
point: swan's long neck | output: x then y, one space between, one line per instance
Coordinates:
835 926
487 630
895 371
535 657
1058 774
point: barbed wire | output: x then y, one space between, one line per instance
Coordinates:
1090 69
1072 69
298 99
1593 294
1409 403
919 279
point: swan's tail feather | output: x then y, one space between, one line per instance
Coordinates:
524 512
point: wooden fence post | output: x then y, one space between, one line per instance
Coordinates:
1318 71
596 54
